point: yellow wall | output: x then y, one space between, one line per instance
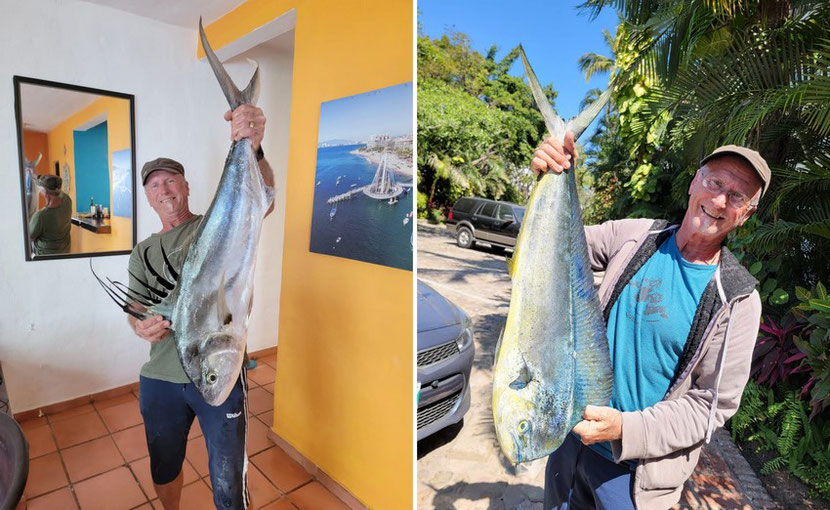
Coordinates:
36 143
118 137
343 394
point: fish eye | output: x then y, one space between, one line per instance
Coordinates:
211 377
524 427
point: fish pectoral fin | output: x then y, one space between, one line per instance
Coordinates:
222 313
523 379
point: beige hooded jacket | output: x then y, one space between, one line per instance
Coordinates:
667 437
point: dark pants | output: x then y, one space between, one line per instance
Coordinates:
168 410
577 477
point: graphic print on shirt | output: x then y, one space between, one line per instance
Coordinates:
647 293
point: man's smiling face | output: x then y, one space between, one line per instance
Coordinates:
715 214
167 193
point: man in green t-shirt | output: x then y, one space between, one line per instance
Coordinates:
168 400
49 227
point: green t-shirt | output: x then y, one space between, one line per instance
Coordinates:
164 361
49 228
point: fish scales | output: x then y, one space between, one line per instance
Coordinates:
552 359
213 296
210 303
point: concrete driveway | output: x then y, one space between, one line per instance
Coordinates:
462 467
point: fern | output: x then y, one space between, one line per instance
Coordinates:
777 420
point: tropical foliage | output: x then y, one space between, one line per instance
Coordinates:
477 124
699 74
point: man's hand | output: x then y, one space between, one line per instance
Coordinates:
600 424
152 329
247 121
553 156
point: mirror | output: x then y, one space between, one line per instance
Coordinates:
76 148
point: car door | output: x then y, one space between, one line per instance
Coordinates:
505 226
484 220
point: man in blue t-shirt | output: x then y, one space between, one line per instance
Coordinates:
673 298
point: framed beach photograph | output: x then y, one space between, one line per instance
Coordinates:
363 184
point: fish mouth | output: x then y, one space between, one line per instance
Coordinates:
707 213
516 448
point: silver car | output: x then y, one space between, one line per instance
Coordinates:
445 359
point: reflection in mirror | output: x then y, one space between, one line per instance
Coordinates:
77 169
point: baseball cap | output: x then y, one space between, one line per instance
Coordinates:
752 157
166 164
50 183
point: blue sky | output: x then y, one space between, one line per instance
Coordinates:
384 111
553 33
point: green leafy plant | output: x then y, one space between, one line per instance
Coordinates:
814 343
776 420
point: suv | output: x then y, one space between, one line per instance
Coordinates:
445 359
474 219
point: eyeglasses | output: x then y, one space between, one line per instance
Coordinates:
736 199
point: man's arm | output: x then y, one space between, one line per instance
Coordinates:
248 121
153 328
672 425
35 227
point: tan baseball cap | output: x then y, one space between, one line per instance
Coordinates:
166 164
752 157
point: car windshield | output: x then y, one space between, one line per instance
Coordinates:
520 213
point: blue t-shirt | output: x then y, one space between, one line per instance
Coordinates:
648 327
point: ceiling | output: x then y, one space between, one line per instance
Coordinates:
183 13
46 107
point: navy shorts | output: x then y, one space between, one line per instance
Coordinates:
168 410
577 477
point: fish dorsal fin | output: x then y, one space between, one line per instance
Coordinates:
232 93
223 315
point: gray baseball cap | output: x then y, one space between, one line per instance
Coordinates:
166 164
752 157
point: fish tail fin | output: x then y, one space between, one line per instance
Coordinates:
580 123
554 123
232 93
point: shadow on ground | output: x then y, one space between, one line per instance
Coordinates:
498 495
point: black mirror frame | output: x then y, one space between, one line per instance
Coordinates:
18 80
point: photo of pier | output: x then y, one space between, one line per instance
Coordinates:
363 198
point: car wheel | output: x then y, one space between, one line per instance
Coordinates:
464 238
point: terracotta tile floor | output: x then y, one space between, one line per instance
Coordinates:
95 456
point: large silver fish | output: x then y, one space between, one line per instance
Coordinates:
31 185
552 359
210 304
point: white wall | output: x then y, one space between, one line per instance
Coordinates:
60 336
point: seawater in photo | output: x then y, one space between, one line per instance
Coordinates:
360 227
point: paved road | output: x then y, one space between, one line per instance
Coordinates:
462 467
